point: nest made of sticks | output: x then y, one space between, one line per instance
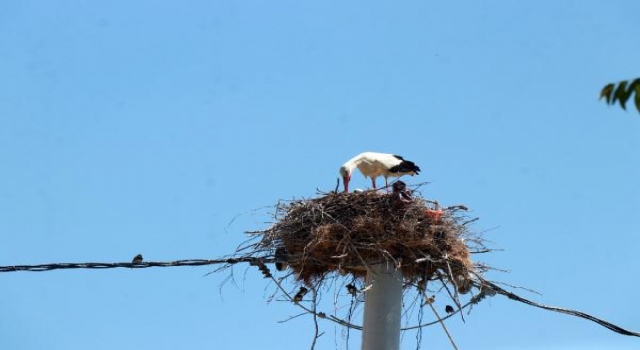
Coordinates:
346 232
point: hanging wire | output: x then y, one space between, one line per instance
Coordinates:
486 288
131 265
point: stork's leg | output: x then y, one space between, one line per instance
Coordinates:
386 184
373 182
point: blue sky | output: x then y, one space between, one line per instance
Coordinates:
147 127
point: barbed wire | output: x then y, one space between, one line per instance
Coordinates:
131 265
561 310
260 263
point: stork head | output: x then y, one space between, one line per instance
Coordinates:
345 172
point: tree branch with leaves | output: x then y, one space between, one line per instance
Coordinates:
621 93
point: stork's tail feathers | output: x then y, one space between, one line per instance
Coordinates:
405 167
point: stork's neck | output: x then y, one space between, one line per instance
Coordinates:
355 161
347 168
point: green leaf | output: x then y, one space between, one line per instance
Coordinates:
637 99
606 93
621 95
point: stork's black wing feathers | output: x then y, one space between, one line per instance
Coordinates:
405 166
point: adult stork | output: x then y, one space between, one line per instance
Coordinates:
372 165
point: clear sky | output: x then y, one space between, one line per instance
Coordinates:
147 126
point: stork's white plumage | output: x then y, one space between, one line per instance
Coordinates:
372 165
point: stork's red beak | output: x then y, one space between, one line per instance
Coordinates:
345 181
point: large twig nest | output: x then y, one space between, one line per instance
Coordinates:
346 232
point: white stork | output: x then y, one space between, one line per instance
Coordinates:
372 164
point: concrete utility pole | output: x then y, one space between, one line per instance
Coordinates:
382 308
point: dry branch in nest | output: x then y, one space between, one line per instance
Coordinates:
346 232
